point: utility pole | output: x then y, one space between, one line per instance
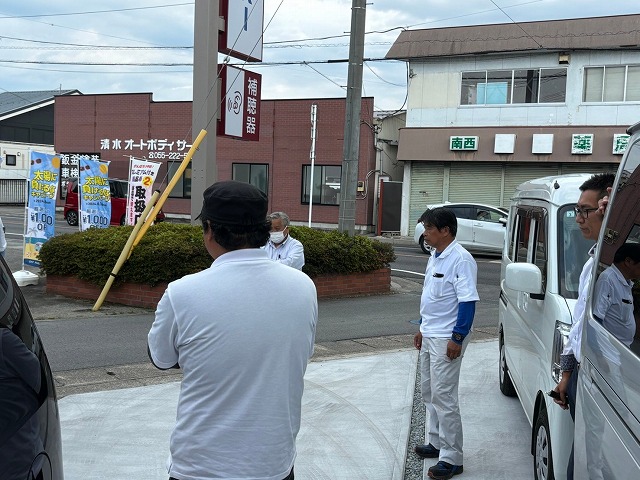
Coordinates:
351 148
312 156
205 99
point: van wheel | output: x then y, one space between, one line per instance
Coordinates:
506 386
424 247
542 458
72 218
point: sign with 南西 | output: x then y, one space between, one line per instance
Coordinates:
460 142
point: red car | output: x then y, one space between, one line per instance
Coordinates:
119 190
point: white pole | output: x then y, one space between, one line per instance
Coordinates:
312 156
25 277
26 213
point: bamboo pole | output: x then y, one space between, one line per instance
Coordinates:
167 191
124 255
146 219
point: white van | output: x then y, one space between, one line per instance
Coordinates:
607 427
542 259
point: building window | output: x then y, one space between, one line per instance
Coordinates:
502 87
11 160
256 174
326 184
620 83
182 189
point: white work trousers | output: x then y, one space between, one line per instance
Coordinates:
439 385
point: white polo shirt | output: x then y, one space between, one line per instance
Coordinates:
243 348
3 238
574 340
290 252
613 304
449 279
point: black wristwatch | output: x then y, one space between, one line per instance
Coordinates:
457 338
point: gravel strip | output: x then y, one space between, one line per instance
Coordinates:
414 465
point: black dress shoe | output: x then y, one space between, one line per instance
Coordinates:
427 451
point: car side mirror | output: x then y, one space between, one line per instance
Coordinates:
524 277
503 221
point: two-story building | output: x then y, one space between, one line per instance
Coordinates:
490 106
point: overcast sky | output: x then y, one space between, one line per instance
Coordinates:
75 34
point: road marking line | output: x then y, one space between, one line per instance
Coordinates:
407 271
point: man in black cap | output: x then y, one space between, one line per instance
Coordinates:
242 349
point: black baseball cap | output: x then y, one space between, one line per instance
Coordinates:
234 203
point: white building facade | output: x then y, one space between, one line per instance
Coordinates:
492 106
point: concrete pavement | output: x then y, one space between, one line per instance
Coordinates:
355 423
357 410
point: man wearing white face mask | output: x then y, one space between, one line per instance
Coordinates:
281 247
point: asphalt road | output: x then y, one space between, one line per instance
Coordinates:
86 340
87 346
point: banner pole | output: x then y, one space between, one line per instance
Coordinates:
26 212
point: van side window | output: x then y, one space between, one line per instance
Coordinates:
523 229
540 252
530 238
617 268
616 304
522 243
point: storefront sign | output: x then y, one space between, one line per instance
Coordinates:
69 168
41 207
463 143
158 148
620 142
240 112
242 36
582 143
142 174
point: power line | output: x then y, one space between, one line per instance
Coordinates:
102 72
43 15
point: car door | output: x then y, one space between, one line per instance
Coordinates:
464 215
488 231
607 426
30 441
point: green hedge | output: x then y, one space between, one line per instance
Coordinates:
169 251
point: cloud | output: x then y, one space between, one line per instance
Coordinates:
289 20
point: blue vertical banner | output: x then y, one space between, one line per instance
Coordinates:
44 173
94 194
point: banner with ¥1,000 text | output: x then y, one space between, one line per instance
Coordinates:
94 194
142 174
44 173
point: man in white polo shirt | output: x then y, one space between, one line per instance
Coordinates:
243 351
447 308
282 247
613 295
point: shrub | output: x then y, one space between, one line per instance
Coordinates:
169 251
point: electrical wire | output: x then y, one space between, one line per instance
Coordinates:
43 15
